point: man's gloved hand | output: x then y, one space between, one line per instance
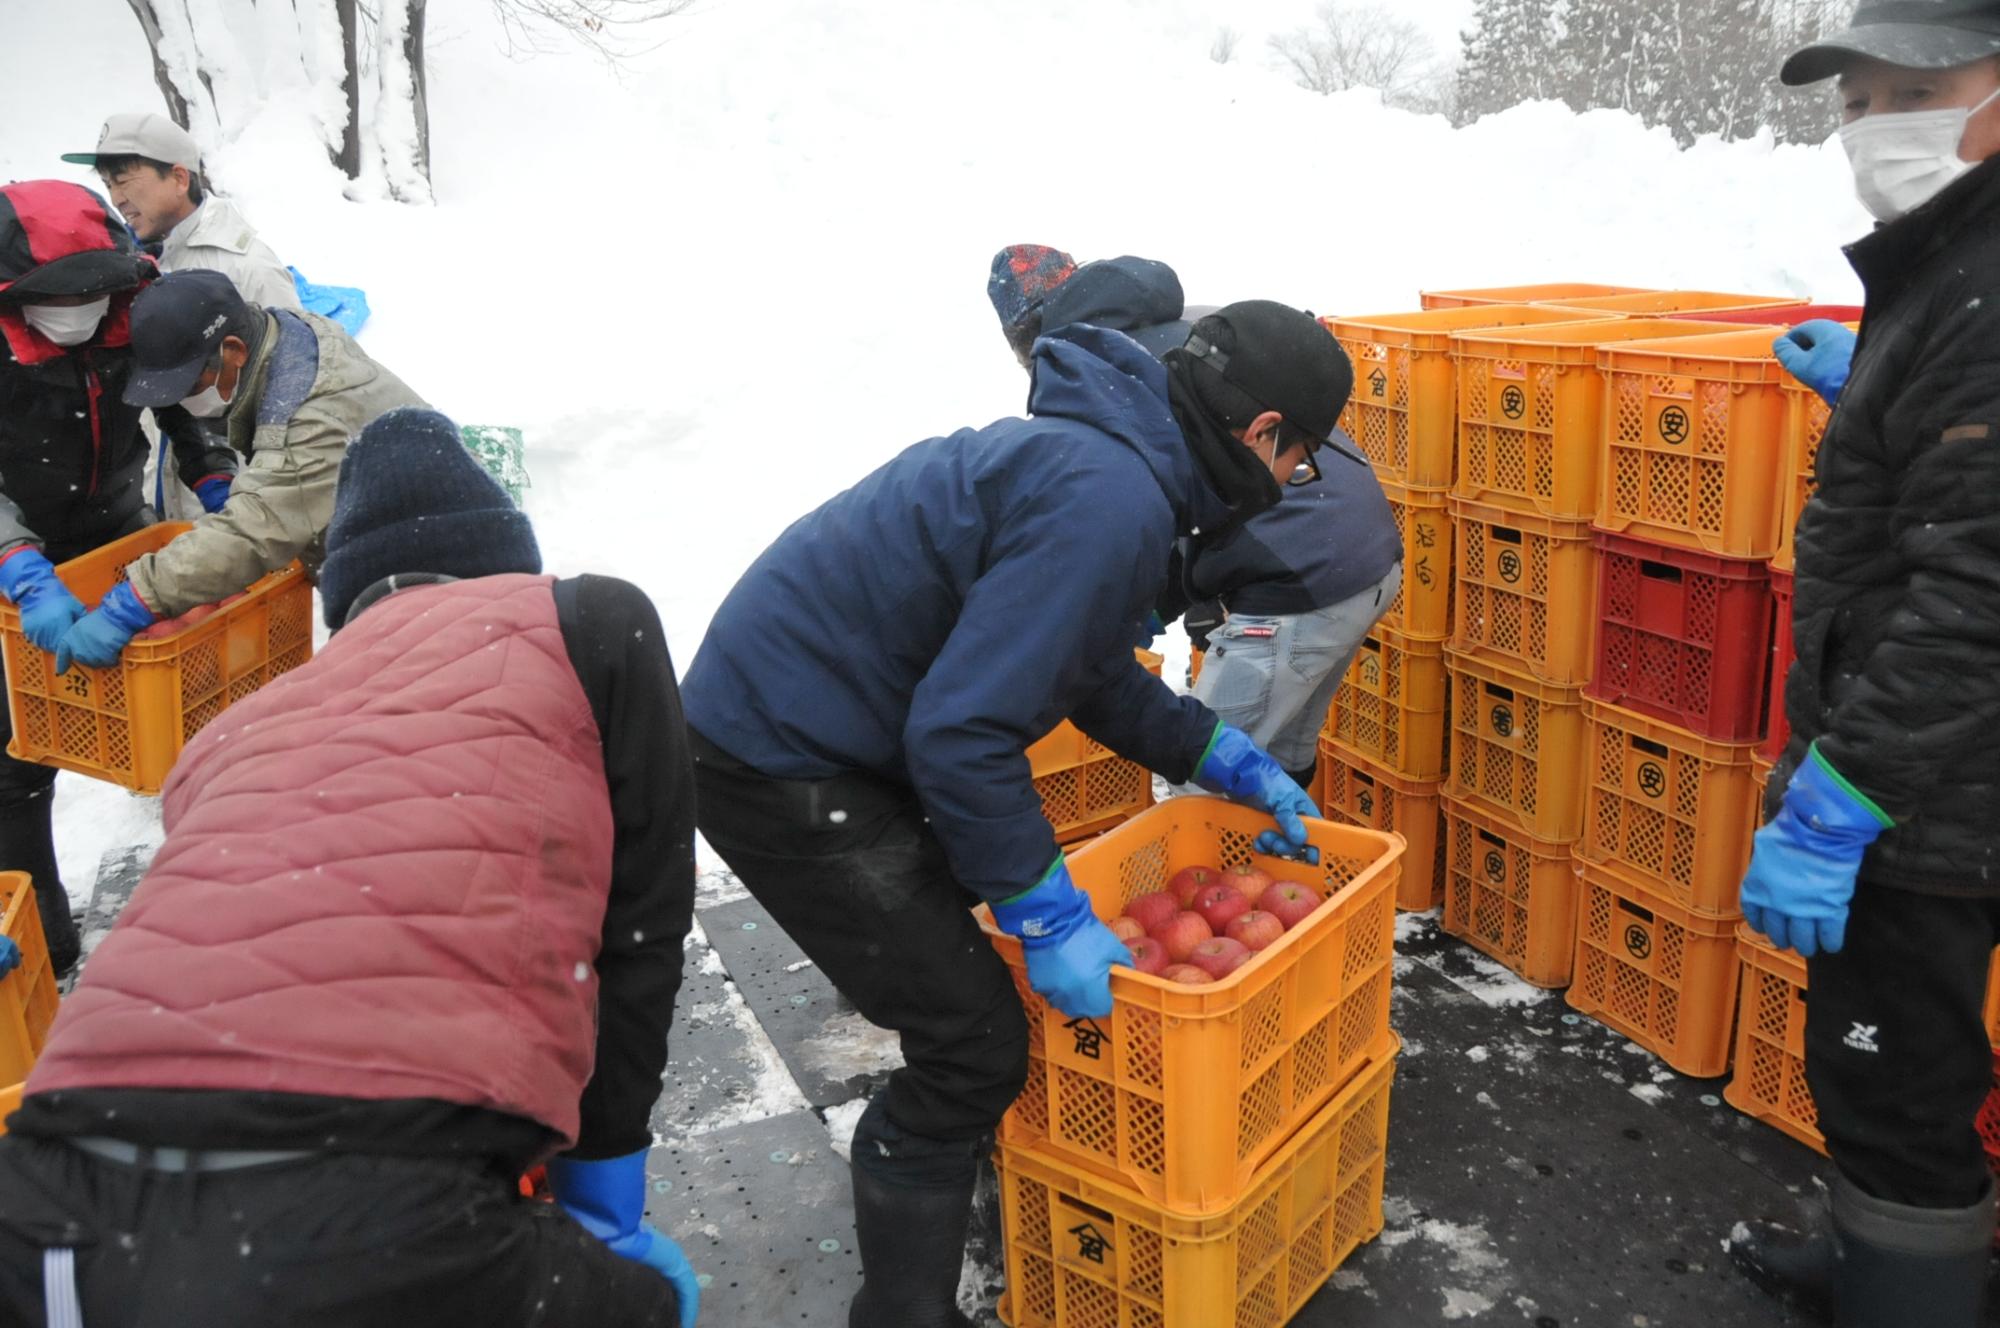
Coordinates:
47 607
609 1199
1803 864
1818 354
1070 953
10 955
1238 769
213 492
102 634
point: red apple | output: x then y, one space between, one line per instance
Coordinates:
1152 911
1219 905
1127 930
1187 975
1256 929
1250 881
1219 956
1147 955
1181 933
1191 881
1290 902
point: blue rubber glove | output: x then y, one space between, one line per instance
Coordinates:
103 633
47 607
609 1199
1818 354
1238 769
1070 953
10 955
213 492
1803 864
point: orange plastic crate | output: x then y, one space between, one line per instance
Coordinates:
10 1102
1669 808
1082 1253
1085 787
1806 418
1662 975
1389 709
1993 1001
1770 1078
1532 294
1517 748
1531 412
1669 302
1526 588
1510 895
127 724
1183 1093
1348 788
1422 608
1403 412
1760 775
1694 432
28 994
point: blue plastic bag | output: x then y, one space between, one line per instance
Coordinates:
345 305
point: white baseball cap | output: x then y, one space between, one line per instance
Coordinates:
143 134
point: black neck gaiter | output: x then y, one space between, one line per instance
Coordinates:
1232 470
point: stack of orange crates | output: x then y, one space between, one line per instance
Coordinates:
1205 1154
1529 402
27 994
1693 474
1085 787
1383 749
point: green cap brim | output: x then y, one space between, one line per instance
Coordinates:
81 158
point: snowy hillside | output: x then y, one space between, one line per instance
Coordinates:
720 286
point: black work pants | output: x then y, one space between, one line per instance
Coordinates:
331 1241
850 869
1897 1055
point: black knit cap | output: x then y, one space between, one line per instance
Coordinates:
412 500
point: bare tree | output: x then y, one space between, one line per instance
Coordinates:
217 71
614 29
1223 49
1358 46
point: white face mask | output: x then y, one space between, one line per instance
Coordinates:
1903 161
67 324
207 403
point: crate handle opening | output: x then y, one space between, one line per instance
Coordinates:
1651 748
1370 643
1363 777
1504 535
1493 839
1660 571
1071 1201
1637 911
1495 689
1308 855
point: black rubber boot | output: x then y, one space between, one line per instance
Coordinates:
1901 1266
27 843
910 1218
1789 1265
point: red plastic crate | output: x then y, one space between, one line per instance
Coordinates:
1777 729
1683 636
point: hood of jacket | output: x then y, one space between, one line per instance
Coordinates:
1137 296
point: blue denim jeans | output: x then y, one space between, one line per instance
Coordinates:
1274 677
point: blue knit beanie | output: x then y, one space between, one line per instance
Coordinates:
1022 277
411 499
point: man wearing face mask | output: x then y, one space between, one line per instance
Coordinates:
1880 862
72 456
862 705
290 390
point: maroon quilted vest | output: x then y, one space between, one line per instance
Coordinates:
384 876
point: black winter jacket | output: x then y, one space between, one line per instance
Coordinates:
1897 616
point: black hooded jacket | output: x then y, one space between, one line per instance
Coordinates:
1897 616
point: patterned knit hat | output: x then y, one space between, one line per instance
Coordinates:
1022 277
411 499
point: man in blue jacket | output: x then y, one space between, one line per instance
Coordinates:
861 709
1281 603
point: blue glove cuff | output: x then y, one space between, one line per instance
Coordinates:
124 607
213 492
22 572
1047 914
1221 767
1821 797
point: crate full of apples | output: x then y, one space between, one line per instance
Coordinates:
1259 986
